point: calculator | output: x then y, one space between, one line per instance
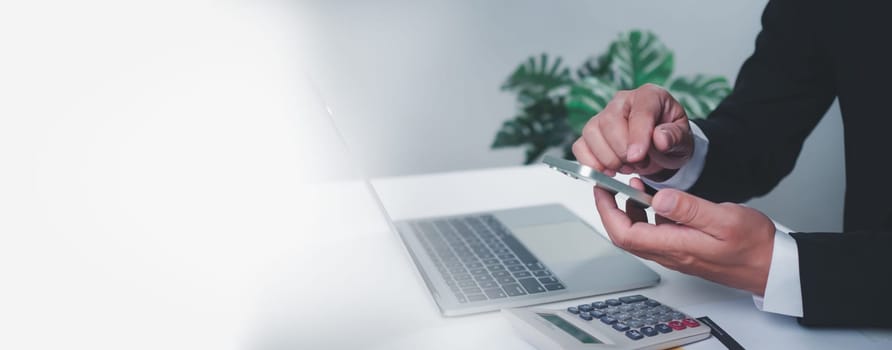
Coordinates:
629 322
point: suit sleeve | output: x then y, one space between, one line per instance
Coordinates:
844 279
781 93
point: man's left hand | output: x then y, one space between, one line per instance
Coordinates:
726 243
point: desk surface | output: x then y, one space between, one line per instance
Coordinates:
370 295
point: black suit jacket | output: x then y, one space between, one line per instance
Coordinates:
808 53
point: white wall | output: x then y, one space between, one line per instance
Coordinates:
415 85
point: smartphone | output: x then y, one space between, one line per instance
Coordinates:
582 172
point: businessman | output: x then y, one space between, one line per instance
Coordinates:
807 54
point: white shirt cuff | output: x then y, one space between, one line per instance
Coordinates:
688 174
783 293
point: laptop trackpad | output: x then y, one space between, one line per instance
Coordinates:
570 245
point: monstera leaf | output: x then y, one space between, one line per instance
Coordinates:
585 99
699 94
536 77
540 126
637 58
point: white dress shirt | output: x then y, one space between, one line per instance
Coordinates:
782 292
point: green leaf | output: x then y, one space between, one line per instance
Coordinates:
598 67
638 58
540 126
699 94
536 78
587 98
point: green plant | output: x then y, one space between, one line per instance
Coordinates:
554 104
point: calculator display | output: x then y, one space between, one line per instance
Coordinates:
570 329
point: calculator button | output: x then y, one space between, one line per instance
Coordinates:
597 313
613 302
622 316
599 305
678 316
649 331
634 335
635 324
622 327
554 286
632 299
573 310
664 318
608 320
690 323
663 328
651 302
585 307
676 325
650 321
585 316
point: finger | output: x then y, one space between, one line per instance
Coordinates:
645 110
673 139
615 129
603 153
688 210
635 212
584 155
615 221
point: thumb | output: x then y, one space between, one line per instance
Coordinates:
673 139
687 209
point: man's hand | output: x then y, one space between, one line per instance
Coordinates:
642 131
725 243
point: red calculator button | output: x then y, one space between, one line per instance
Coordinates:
676 325
690 323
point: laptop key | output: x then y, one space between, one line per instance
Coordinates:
491 261
547 280
517 268
505 280
476 297
489 284
511 262
513 290
481 272
522 274
471 290
464 284
498 274
542 273
495 267
483 278
555 286
461 298
531 285
495 293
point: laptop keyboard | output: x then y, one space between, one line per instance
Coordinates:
480 259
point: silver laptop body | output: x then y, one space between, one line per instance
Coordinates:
478 262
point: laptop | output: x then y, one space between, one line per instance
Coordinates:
506 257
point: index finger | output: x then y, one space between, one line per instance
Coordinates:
642 118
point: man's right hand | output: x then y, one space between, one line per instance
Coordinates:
642 131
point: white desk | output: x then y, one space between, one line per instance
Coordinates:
368 295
